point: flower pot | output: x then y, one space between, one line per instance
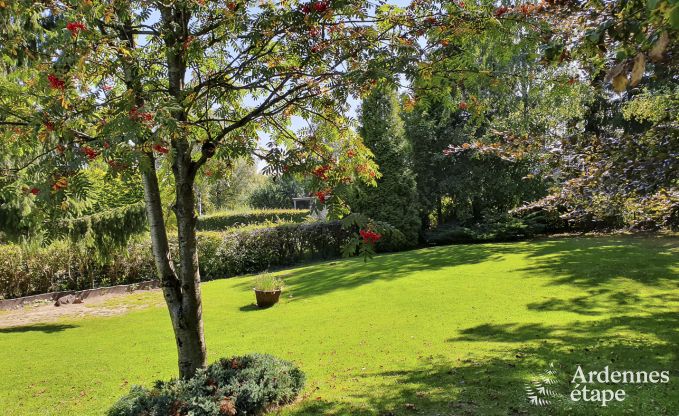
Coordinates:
266 298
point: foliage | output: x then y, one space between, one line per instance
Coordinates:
237 386
227 185
499 229
239 252
29 270
220 221
394 201
595 84
60 266
268 282
106 232
278 192
145 86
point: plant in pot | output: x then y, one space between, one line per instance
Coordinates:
267 290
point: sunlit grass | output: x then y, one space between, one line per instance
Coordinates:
445 330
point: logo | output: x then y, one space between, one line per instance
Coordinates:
544 389
541 391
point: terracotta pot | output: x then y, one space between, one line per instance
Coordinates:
266 298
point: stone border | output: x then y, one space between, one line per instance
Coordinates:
17 303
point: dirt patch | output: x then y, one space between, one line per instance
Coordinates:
106 305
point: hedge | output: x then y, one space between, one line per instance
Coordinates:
62 266
220 221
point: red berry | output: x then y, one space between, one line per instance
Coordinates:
160 149
320 7
75 27
56 82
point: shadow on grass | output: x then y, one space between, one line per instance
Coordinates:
329 277
496 385
46 328
590 261
637 332
585 262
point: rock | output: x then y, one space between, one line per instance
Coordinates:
65 300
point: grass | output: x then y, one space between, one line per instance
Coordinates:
456 330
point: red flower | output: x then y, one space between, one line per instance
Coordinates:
322 196
90 153
160 148
463 105
370 237
75 27
35 191
56 82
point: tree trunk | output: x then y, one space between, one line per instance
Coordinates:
182 293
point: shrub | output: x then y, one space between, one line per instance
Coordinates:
222 220
251 251
501 229
278 193
247 385
62 266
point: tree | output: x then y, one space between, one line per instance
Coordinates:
478 80
277 192
394 201
141 83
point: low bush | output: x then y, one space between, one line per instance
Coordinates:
64 266
251 251
505 229
220 221
247 385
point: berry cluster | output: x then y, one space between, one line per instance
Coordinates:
369 236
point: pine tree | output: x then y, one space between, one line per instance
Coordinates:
395 199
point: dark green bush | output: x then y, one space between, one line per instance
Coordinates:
246 385
278 193
222 220
251 251
502 229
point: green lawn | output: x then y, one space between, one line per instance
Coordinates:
455 330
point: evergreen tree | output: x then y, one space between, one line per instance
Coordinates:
395 199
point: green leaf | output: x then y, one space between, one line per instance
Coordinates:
674 17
